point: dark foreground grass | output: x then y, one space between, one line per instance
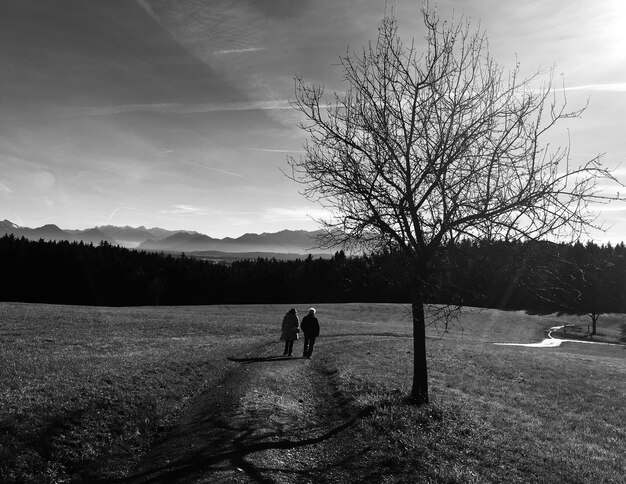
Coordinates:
84 390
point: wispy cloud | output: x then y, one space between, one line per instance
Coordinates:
179 108
267 150
295 214
609 87
184 209
619 172
190 208
212 169
114 213
613 207
148 8
4 188
238 51
611 188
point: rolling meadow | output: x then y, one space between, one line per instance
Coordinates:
86 391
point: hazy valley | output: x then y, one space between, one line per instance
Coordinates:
284 244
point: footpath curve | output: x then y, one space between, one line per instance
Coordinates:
552 342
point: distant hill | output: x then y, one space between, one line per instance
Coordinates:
131 237
5 224
95 236
180 242
54 233
286 244
285 241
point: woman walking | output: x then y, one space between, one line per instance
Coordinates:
291 328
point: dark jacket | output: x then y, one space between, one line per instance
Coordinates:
290 327
310 326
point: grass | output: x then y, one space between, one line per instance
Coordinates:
84 390
498 414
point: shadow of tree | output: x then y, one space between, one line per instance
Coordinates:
262 359
229 448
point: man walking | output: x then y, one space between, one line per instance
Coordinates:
311 328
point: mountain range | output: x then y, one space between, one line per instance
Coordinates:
285 242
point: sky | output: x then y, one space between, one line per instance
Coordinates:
176 114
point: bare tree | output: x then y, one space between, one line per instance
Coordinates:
425 148
583 281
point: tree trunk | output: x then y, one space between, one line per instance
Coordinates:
594 322
419 391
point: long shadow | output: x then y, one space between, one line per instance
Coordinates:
231 449
380 335
263 359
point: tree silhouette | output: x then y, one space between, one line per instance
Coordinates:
425 148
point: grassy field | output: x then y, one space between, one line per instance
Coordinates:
84 390
498 413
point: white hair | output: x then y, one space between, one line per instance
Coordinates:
312 310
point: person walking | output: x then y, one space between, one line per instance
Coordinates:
311 329
290 331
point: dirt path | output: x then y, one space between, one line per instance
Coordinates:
270 420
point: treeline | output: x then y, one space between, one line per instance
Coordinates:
541 276
532 275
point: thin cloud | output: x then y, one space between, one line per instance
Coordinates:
619 172
184 209
178 108
146 6
268 150
4 188
213 169
114 213
238 51
609 87
296 214
610 188
190 208
608 208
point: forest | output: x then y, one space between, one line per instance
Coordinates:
535 276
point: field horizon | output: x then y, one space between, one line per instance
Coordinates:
93 394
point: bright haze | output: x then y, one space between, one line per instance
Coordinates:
175 113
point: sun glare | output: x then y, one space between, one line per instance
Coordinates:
614 20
